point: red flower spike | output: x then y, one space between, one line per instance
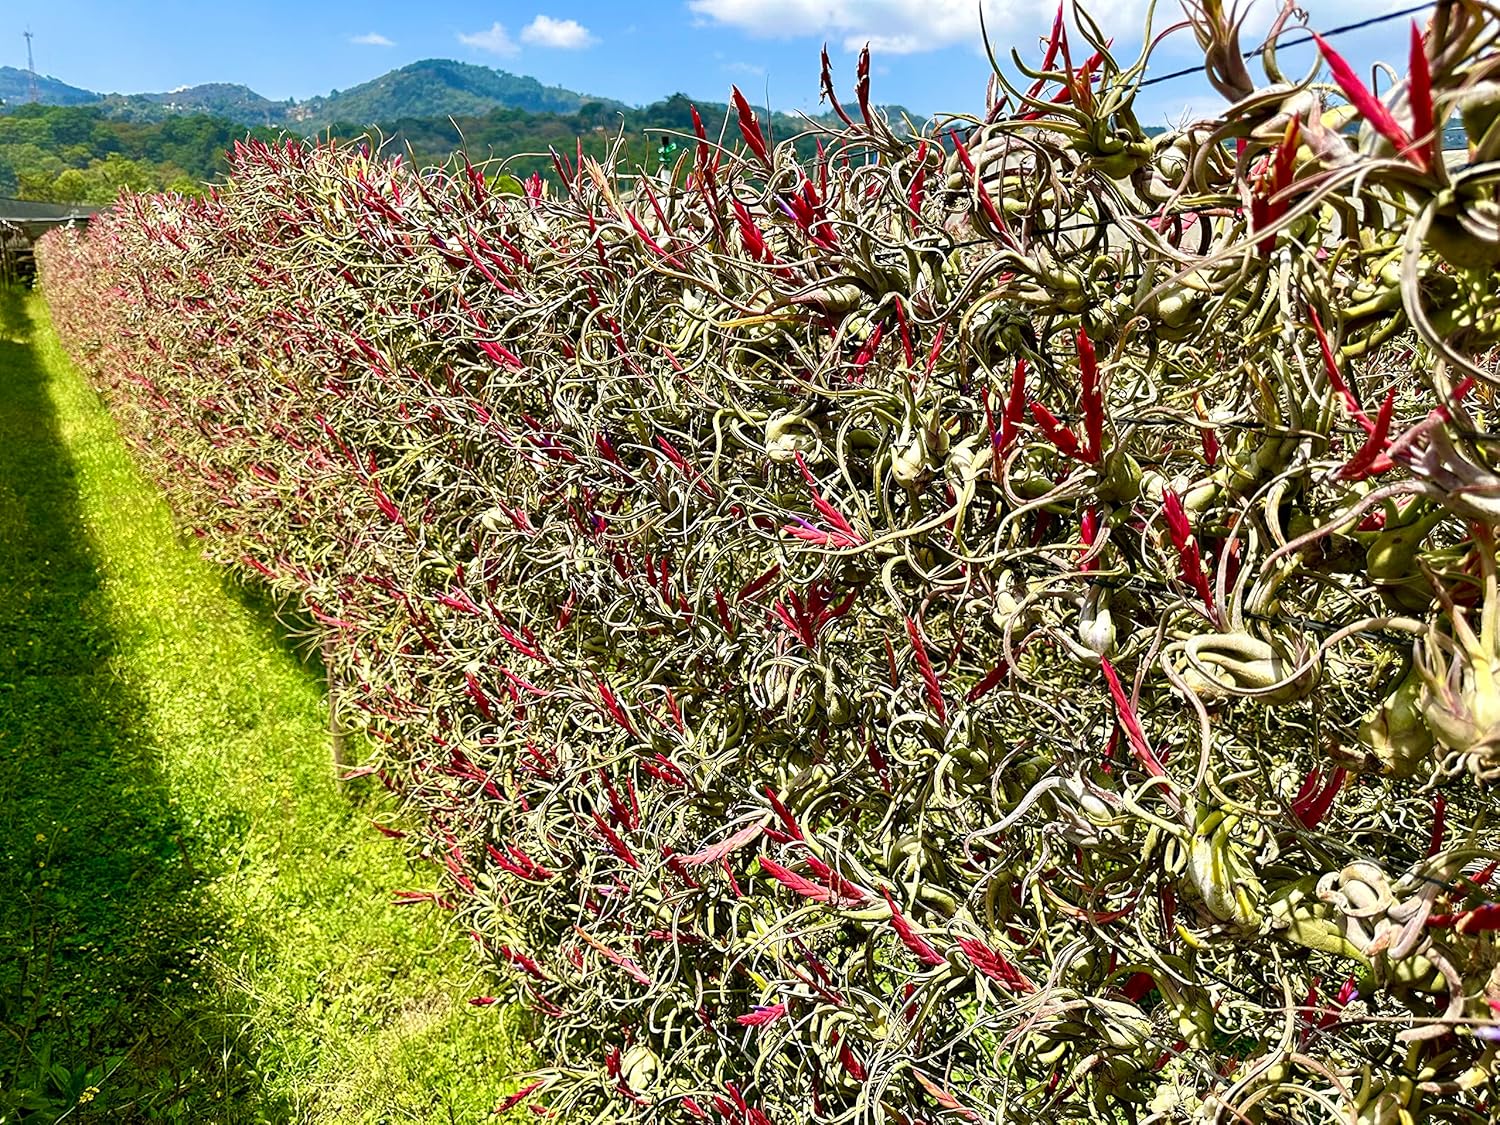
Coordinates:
1480 919
1369 106
852 1066
1190 563
750 234
616 844
794 882
518 1097
862 84
1015 411
1315 797
1128 718
1207 437
843 534
702 153
917 191
826 83
1059 37
989 425
844 892
1091 398
1439 824
787 820
1336 379
612 705
1370 459
913 941
906 348
987 683
1425 141
750 126
1265 208
934 689
985 202
1062 438
993 965
1088 532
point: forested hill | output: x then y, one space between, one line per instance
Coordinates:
76 154
526 137
82 154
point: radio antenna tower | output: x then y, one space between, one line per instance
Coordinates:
31 91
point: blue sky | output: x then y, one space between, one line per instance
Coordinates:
927 52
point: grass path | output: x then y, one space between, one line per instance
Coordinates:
195 925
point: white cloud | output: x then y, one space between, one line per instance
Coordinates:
372 39
496 40
901 27
745 68
898 27
565 35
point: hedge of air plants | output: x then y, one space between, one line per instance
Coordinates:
996 623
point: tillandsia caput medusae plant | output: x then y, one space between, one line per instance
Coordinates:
996 632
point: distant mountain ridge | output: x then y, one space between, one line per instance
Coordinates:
428 88
15 88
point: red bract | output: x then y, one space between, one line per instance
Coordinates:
993 965
1063 439
1091 399
794 882
518 1097
755 241
1125 712
1190 564
917 189
750 126
1371 108
986 204
934 688
1426 145
1371 458
1315 797
762 1015
919 946
809 615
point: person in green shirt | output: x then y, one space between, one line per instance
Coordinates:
666 155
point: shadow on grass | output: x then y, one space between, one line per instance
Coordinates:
105 1013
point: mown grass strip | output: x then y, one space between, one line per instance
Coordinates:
196 924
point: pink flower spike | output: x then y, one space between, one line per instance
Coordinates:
762 1015
929 677
921 949
1131 722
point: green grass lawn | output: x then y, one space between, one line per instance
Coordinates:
195 923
